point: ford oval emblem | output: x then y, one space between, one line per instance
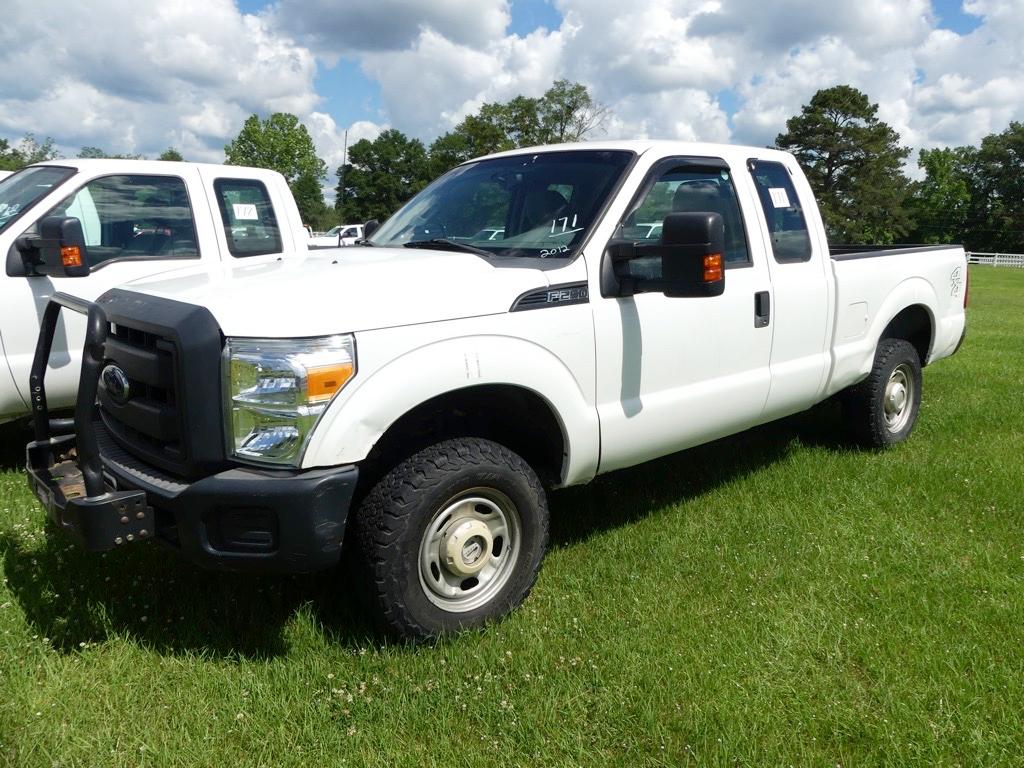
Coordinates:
115 381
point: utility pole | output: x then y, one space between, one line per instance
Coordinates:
340 202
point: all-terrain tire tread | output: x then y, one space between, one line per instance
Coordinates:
388 509
863 403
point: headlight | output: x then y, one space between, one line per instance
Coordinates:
276 390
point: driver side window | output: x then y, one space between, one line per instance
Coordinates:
135 217
690 190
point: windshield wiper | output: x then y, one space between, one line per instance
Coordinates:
445 244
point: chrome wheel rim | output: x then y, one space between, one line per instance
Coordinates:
469 549
898 400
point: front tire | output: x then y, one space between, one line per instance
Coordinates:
882 410
452 537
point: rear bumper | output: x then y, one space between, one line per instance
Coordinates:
239 519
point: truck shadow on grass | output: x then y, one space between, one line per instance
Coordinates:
13 437
622 497
149 595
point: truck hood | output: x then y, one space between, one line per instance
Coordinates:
348 290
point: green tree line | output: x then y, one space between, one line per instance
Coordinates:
30 150
968 195
973 195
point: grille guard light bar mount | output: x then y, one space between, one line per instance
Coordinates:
88 382
66 472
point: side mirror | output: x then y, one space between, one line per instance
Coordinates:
58 251
693 262
370 227
688 262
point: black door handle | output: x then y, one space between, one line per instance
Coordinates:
762 309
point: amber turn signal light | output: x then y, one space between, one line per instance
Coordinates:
70 256
712 267
323 381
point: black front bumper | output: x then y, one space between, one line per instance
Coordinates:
238 519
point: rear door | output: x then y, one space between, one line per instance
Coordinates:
798 264
255 221
676 372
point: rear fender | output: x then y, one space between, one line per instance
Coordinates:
855 357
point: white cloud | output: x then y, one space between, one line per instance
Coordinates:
334 29
188 73
139 76
329 137
780 25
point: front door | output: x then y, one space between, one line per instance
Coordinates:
677 372
135 225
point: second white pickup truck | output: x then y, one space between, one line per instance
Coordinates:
335 237
138 218
424 391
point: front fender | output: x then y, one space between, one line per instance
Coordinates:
357 419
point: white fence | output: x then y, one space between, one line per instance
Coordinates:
997 259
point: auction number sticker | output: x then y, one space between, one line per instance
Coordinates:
246 212
779 197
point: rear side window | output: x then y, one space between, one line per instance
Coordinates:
249 222
134 217
786 223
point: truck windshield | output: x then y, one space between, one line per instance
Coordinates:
19 191
536 205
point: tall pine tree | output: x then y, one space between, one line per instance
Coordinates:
854 163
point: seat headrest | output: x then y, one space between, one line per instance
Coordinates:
698 196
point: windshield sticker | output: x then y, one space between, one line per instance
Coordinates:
560 227
558 249
246 212
779 197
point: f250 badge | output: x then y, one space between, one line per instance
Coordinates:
956 281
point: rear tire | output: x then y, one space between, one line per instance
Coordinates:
882 410
451 538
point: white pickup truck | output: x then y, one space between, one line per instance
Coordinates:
423 392
138 219
341 235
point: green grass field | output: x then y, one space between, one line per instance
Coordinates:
775 598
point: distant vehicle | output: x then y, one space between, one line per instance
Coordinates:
490 233
343 234
650 231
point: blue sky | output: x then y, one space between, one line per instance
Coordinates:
943 72
951 16
349 95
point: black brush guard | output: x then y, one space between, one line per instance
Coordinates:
65 471
230 517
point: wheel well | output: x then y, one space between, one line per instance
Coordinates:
913 324
515 417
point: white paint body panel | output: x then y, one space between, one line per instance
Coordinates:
628 379
349 289
23 299
923 278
